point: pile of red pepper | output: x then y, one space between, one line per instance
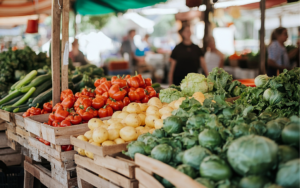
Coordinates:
47 108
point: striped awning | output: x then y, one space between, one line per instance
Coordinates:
10 8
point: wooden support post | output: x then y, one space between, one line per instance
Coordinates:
28 180
65 40
55 50
262 38
206 24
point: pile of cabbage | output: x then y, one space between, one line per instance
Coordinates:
223 145
218 82
279 94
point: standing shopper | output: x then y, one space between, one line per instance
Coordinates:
185 58
278 58
213 57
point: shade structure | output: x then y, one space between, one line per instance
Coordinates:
97 7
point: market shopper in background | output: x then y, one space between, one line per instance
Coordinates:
213 57
185 58
278 58
76 55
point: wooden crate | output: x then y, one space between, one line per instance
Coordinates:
148 166
6 116
10 156
112 176
19 120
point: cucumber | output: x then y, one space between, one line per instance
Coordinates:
36 82
21 109
11 102
77 78
42 98
25 97
11 108
41 72
43 87
11 96
155 85
28 78
14 85
4 95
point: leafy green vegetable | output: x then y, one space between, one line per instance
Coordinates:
252 155
166 183
214 168
253 182
291 134
169 95
159 133
194 82
172 124
287 153
261 80
288 174
259 127
135 147
187 170
194 156
162 152
243 130
210 139
274 130
196 121
205 182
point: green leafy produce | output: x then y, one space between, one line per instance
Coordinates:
252 155
135 147
274 129
242 130
194 156
196 121
259 127
169 95
261 80
291 134
143 136
215 168
287 153
210 139
159 133
162 152
194 82
288 174
172 124
166 183
253 182
205 182
188 170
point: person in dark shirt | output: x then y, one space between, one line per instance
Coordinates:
76 55
185 58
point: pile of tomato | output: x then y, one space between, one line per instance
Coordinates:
47 108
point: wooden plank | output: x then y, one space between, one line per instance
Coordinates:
4 115
13 145
11 159
65 39
28 180
19 119
22 132
146 179
84 184
6 151
101 151
106 173
18 139
124 167
33 123
93 179
55 51
177 178
2 121
142 186
3 126
43 148
3 140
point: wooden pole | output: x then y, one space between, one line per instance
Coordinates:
55 50
262 37
65 40
206 24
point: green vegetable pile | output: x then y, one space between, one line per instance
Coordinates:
15 64
224 145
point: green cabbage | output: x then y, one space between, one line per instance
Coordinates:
194 82
135 147
187 170
259 126
253 182
196 121
143 136
194 156
173 124
210 138
215 168
150 142
159 133
166 183
274 130
162 152
272 96
267 94
261 80
252 155
169 95
288 174
205 182
243 129
291 134
287 153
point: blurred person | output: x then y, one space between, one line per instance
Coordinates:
185 58
76 55
146 43
278 58
213 57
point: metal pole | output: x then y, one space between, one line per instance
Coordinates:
262 37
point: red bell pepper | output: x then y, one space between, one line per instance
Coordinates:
49 122
65 94
56 106
98 102
141 80
117 93
68 102
83 103
88 92
65 123
116 105
150 91
133 82
46 143
26 114
127 77
74 119
145 99
104 87
126 101
67 147
51 116
117 80
56 123
86 114
35 111
105 111
61 114
98 82
136 94
148 82
47 107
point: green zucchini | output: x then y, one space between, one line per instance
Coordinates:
25 97
36 82
76 78
27 79
41 72
14 85
11 102
21 109
42 98
11 96
4 95
40 89
155 85
11 108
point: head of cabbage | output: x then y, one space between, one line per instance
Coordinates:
169 95
194 82
261 80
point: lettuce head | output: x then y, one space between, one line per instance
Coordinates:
169 95
194 82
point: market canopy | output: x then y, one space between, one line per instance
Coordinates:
96 7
